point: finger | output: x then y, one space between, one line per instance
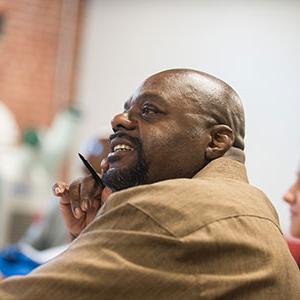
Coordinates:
96 205
75 199
86 190
90 192
59 188
85 204
91 214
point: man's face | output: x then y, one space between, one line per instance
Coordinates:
292 197
160 135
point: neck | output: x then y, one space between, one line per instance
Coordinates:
236 154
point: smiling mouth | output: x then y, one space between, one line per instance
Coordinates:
122 147
119 152
124 150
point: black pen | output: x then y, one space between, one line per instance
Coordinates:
92 171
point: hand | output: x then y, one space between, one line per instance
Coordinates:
80 202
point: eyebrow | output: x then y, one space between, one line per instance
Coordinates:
126 105
143 97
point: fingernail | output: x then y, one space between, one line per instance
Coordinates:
82 205
57 190
77 212
91 203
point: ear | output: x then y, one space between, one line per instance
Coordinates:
221 140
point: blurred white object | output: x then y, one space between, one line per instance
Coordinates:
43 256
58 139
9 130
9 137
28 170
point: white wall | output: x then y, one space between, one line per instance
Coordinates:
252 45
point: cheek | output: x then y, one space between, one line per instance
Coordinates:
172 142
160 144
171 149
155 145
297 205
295 222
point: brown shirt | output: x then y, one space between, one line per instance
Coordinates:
210 237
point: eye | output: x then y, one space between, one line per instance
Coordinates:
149 109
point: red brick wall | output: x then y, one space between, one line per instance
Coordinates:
37 57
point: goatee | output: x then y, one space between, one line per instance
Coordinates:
127 177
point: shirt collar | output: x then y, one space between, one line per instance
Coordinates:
224 168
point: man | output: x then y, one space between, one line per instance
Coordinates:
292 197
182 221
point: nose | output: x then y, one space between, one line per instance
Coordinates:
290 196
122 120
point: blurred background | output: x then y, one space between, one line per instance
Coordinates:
67 66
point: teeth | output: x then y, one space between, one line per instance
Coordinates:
122 148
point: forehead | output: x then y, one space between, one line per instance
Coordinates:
163 89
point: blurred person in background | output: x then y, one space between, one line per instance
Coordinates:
48 236
292 197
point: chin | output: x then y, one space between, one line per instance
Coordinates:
124 178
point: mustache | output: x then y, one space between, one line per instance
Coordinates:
135 140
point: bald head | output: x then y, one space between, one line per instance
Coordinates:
213 99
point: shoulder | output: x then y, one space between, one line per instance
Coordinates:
185 205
